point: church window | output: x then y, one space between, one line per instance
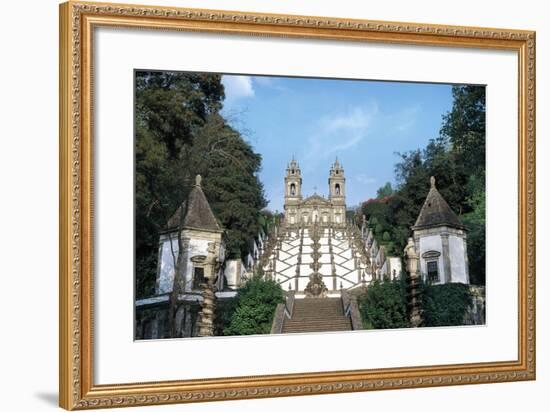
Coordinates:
292 189
198 277
337 189
433 271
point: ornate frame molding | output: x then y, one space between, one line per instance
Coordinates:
77 21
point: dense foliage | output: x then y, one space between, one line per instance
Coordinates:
457 160
180 133
223 312
445 305
384 305
255 306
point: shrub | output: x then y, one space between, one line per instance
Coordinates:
255 305
225 308
384 305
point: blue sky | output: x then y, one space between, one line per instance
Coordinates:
364 123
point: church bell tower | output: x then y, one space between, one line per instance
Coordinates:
293 191
337 192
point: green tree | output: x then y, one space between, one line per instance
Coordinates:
464 127
384 191
457 159
255 304
268 220
179 133
169 108
223 312
230 169
475 223
384 305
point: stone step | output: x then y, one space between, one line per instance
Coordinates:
318 326
311 319
305 329
317 315
318 307
324 326
317 320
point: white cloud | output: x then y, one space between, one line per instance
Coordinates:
264 80
340 131
364 179
237 87
405 120
272 83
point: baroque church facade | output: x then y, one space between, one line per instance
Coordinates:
315 208
318 252
314 252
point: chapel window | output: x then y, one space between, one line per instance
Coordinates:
433 271
198 277
292 189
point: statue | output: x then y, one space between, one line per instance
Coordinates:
412 257
412 268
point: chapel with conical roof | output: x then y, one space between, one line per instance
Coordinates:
440 239
196 225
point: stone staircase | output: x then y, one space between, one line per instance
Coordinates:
317 315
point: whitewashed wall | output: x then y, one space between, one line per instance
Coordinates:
459 270
426 244
165 275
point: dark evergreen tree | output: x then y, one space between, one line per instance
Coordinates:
230 169
180 133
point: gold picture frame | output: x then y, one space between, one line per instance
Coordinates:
77 23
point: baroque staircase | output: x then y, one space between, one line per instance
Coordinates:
317 315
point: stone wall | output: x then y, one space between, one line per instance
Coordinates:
476 312
151 322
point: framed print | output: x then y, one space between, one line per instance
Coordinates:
256 205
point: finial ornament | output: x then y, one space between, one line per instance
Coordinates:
198 180
432 182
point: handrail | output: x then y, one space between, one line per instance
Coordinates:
351 310
289 303
283 310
